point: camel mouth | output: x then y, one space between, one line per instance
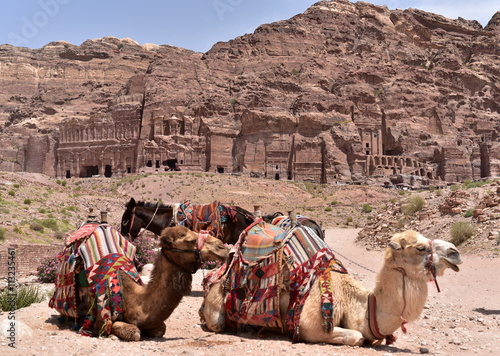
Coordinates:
451 265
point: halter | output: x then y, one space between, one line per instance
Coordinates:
432 267
202 238
372 303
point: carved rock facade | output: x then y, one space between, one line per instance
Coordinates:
343 92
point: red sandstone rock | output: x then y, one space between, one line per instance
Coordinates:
343 92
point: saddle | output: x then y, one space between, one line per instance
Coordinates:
102 252
253 277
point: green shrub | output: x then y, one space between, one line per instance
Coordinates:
50 224
415 203
328 208
349 220
145 251
59 235
469 184
469 213
24 297
11 193
47 270
16 185
27 201
36 226
461 231
366 208
2 233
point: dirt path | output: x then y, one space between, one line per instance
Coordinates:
464 319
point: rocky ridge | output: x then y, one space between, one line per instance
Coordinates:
426 84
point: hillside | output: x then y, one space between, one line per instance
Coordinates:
63 204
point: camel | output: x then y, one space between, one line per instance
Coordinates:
360 316
145 308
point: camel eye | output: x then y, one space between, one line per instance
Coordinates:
420 248
191 242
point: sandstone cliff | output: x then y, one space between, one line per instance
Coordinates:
345 91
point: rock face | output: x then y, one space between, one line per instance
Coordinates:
343 92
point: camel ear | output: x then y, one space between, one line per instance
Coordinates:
394 246
167 237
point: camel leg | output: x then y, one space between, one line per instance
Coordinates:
157 331
126 331
337 336
311 323
213 310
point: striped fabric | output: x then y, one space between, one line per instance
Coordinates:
285 223
198 217
64 297
95 244
105 240
309 258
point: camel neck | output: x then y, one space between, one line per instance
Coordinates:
168 284
400 298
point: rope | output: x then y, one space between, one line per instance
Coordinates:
353 262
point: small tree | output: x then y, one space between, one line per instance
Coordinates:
415 203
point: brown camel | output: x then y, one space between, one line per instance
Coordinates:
411 261
145 308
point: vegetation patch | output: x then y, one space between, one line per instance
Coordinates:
461 231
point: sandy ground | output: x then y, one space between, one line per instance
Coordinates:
464 319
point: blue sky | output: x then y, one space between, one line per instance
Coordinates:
193 24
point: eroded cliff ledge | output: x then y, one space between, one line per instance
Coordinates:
343 92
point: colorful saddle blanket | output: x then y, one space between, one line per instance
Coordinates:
253 283
101 248
198 217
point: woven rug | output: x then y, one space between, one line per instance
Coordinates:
106 292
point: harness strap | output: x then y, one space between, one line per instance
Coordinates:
372 321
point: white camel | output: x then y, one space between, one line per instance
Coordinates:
360 315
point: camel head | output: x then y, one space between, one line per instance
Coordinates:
421 257
186 248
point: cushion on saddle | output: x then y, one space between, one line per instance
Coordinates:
261 240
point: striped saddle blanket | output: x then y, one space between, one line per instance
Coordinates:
103 252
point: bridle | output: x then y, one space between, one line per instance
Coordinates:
149 223
372 302
432 267
202 238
